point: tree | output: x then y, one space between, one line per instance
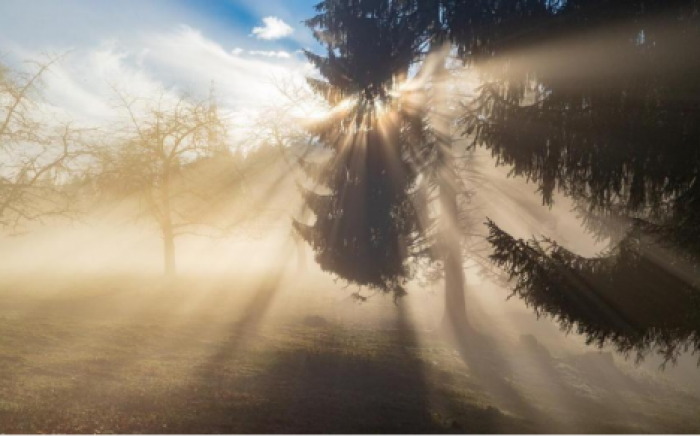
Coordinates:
170 155
446 177
599 100
372 47
39 154
625 298
365 221
283 126
595 98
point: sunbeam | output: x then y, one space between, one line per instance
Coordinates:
343 216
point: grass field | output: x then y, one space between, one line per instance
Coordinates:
139 355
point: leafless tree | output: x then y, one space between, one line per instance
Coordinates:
282 125
39 154
170 154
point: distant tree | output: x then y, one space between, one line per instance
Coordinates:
39 153
282 125
170 155
440 167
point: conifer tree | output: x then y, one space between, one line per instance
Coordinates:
372 44
365 222
598 100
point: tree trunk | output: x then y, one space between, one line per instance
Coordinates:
167 225
169 251
455 317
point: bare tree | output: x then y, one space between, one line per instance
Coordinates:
282 125
170 154
38 152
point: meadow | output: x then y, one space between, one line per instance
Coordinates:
140 354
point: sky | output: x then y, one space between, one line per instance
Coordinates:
140 47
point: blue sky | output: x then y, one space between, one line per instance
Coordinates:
141 46
74 21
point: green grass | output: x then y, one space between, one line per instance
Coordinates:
83 361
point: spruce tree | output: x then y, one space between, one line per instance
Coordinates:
600 101
372 44
365 223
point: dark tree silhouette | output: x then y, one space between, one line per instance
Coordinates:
365 221
372 45
626 298
599 100
594 98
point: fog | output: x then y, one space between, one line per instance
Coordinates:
480 230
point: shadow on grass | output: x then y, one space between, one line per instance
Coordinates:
579 393
491 369
327 384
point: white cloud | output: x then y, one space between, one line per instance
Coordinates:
178 60
271 54
189 59
145 54
273 28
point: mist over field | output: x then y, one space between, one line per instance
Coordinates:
374 216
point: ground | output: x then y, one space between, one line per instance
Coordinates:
166 358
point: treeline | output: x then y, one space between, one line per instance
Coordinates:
169 157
